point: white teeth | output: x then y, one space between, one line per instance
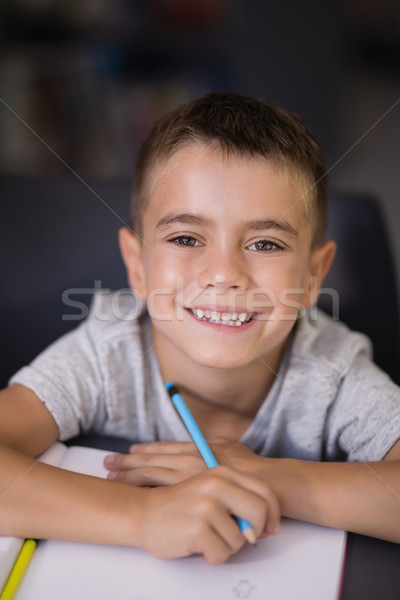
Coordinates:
224 318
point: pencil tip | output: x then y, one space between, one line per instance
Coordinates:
250 535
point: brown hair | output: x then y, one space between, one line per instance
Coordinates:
243 126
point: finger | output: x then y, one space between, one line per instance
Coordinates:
189 464
214 532
223 540
125 462
146 477
249 498
272 515
200 524
267 494
203 539
214 550
226 527
164 448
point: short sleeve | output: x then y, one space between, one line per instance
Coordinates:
67 379
364 421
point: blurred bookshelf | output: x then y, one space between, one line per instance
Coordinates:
81 83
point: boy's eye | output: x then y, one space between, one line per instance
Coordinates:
185 240
264 246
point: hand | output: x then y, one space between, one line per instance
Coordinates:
195 516
167 463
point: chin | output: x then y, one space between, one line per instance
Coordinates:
220 362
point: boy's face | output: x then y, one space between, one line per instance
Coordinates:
225 263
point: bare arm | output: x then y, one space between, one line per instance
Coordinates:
40 501
359 497
30 491
25 423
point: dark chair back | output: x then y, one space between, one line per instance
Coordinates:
363 276
58 241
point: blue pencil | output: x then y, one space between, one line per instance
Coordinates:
203 448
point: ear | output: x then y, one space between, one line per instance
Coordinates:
132 255
320 262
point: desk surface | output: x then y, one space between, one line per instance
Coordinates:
372 566
372 569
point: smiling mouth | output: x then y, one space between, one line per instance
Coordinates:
234 319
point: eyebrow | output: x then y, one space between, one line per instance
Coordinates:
184 218
256 225
279 224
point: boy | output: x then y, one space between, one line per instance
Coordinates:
225 257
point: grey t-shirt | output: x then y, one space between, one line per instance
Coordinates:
328 401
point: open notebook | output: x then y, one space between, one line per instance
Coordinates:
303 561
9 549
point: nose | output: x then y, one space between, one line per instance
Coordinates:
224 270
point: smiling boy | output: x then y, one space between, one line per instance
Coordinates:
226 254
225 239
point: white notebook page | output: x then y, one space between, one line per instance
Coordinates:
303 561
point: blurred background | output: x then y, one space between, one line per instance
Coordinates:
82 81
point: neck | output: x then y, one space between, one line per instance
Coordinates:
224 402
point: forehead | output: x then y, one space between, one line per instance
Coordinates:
201 177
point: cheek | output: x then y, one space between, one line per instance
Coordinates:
164 288
293 292
169 272
281 288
